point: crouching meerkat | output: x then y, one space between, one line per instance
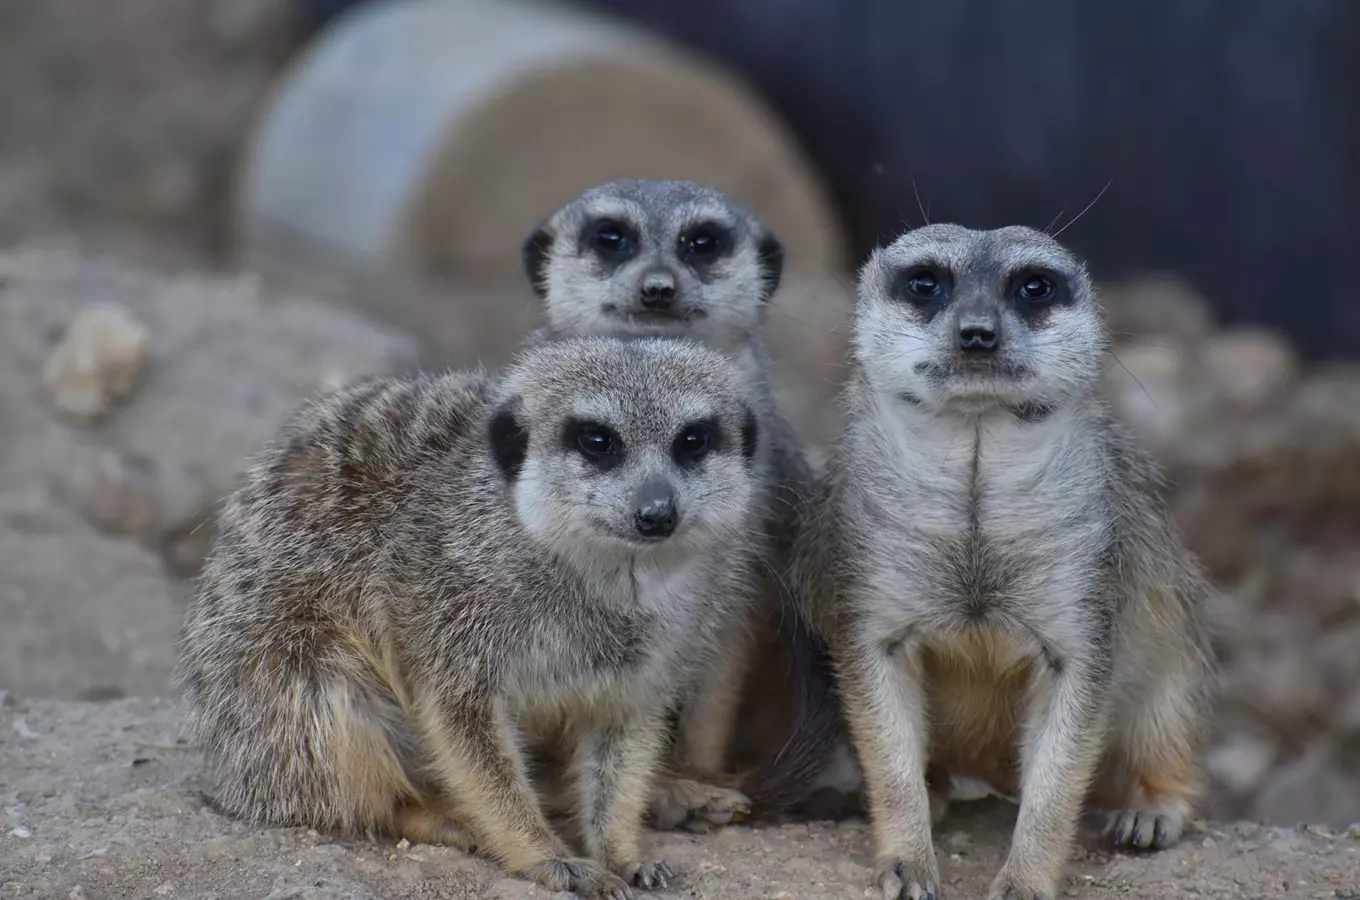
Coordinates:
634 256
1003 589
422 578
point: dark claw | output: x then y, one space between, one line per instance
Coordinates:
1119 835
1159 833
1137 837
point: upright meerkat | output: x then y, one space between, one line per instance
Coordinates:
635 256
1002 586
421 579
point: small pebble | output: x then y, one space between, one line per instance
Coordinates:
24 731
1209 843
403 844
97 362
21 832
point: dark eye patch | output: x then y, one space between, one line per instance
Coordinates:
704 242
595 442
612 240
694 442
926 287
1034 291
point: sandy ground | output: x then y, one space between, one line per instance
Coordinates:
100 802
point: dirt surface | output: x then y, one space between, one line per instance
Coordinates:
99 802
123 120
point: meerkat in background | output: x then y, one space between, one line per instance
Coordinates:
673 257
422 577
1003 589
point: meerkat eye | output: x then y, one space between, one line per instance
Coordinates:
596 442
921 284
693 443
1036 289
703 241
611 237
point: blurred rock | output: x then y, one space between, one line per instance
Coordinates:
1147 384
1263 459
97 363
1153 307
1249 368
492 115
231 363
1242 762
1315 787
84 614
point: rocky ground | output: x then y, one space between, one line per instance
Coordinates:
99 801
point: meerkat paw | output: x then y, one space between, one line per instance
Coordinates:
1007 886
695 806
1151 827
649 874
583 876
899 879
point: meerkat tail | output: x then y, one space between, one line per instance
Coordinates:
786 779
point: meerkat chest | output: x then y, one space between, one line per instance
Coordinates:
988 512
627 637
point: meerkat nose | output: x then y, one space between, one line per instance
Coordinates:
656 515
978 335
658 289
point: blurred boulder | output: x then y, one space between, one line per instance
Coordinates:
434 134
227 364
1263 460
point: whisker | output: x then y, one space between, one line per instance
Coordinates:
925 216
1084 211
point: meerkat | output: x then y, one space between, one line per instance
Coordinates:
634 256
1002 586
423 578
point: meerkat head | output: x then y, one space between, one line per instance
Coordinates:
952 318
621 446
653 257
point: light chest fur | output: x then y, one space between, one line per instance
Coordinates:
666 604
979 522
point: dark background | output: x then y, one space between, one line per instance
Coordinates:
1226 130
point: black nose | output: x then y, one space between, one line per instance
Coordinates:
656 518
657 296
977 338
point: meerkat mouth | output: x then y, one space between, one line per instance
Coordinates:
972 370
673 315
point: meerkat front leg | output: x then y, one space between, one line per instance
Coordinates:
478 763
1063 734
885 704
615 769
703 734
709 718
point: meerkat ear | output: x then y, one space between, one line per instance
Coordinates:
509 440
750 434
771 253
535 253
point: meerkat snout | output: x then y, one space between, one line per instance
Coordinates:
979 328
656 515
658 288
